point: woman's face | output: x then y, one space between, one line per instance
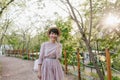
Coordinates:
53 36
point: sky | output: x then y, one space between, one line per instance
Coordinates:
31 12
27 13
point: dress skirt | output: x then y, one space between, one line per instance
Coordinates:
51 70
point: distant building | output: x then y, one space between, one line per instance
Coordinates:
5 47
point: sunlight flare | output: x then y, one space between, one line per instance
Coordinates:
112 20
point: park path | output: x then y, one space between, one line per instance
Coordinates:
18 69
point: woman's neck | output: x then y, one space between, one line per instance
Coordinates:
52 41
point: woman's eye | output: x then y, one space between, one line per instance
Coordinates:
53 33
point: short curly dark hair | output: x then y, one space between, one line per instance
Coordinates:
54 30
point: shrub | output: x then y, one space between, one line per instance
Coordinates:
113 78
116 64
25 57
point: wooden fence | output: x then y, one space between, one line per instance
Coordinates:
32 54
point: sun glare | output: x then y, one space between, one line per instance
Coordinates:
112 20
112 1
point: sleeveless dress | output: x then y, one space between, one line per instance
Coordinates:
51 68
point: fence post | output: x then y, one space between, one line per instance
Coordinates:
108 63
28 54
8 52
13 53
36 54
21 53
78 59
65 56
32 54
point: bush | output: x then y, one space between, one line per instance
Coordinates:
25 57
113 78
91 64
94 75
116 64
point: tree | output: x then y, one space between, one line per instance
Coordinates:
4 5
73 15
66 38
4 28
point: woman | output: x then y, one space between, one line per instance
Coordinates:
49 67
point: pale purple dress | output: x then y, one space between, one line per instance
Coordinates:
51 68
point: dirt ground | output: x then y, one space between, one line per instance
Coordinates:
18 69
0 71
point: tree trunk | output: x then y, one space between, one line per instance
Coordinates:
87 41
3 33
100 74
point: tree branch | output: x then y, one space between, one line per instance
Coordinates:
80 18
5 7
77 22
90 21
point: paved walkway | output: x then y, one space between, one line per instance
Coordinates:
18 69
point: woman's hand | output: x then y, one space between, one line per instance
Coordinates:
39 71
39 75
58 44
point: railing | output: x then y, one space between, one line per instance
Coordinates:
32 54
20 53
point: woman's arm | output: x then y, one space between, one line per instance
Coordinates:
39 71
41 55
40 60
59 50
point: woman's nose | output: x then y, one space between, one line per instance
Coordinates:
54 35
